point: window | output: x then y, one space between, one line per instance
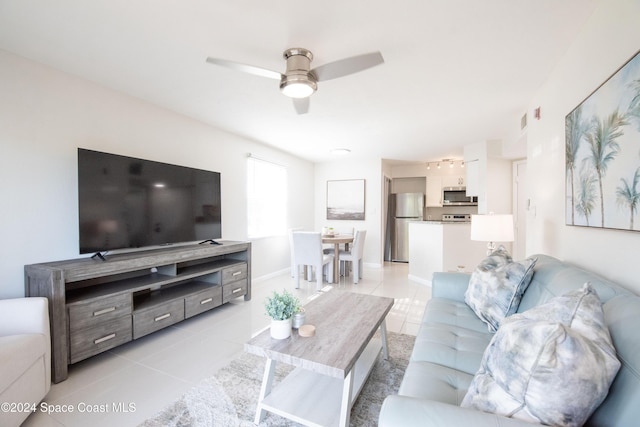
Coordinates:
267 198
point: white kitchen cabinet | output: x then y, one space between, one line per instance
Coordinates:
434 191
488 177
453 181
473 178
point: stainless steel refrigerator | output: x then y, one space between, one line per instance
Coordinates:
405 207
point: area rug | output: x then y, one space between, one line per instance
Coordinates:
230 397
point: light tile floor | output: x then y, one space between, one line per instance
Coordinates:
131 383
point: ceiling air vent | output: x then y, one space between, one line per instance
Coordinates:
523 122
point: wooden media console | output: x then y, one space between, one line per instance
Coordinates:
96 305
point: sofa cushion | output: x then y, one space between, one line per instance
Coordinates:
454 313
553 278
450 346
552 364
425 380
621 408
496 286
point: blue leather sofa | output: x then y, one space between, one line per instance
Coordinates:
452 339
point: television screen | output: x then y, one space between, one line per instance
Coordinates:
125 202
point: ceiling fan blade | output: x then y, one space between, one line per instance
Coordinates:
251 69
344 67
301 105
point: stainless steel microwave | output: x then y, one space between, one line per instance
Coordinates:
457 196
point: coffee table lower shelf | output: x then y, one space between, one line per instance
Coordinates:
315 399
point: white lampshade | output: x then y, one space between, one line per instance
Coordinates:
492 228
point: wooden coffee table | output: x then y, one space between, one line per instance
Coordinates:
331 367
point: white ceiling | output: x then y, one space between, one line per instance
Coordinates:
456 71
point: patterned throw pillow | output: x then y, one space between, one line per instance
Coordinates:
552 364
496 287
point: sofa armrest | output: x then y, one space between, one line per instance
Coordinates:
450 285
403 411
24 316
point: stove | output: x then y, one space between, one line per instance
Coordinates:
456 218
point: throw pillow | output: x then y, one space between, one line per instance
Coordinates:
496 287
552 364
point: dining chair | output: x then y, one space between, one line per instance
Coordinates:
354 255
307 248
290 232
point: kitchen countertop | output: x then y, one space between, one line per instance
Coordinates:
442 222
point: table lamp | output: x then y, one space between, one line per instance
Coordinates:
492 228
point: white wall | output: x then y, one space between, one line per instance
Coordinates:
608 40
369 170
46 114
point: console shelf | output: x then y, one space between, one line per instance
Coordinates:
96 305
150 300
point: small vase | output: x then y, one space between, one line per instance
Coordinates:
298 319
280 329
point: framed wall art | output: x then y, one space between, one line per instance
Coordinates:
602 154
345 199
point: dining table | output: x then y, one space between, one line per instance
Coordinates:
337 240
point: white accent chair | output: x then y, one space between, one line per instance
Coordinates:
307 248
25 355
354 255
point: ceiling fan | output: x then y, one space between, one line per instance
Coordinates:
300 81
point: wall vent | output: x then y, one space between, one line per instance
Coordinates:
523 122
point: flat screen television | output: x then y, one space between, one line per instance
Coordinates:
124 202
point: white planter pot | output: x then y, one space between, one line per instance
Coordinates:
280 329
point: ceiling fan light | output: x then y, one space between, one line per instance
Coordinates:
297 88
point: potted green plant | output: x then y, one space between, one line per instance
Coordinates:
280 308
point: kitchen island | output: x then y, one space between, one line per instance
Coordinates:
442 246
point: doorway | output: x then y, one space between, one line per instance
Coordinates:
386 219
520 206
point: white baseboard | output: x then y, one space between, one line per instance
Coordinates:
288 271
419 280
271 275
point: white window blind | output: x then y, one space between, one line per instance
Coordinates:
267 198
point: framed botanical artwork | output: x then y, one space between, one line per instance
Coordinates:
602 154
345 199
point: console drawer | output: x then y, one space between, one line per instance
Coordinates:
202 301
92 313
231 274
158 317
91 341
234 290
